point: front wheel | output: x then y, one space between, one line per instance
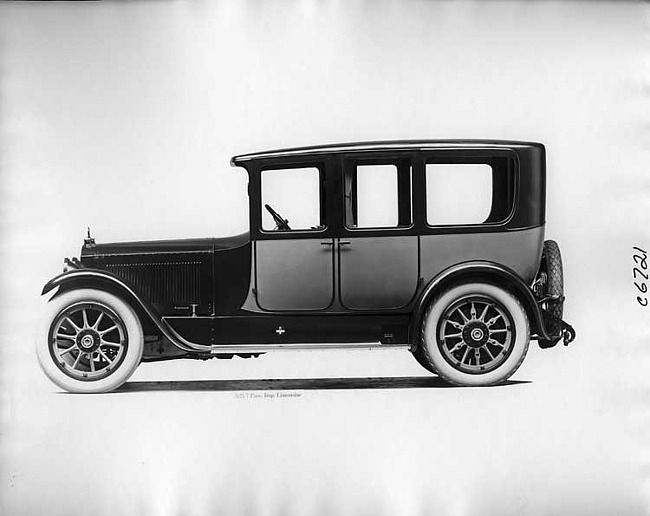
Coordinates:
475 334
90 341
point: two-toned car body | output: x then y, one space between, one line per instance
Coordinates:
370 261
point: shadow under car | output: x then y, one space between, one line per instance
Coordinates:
297 384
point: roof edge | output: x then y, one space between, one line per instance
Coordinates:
379 146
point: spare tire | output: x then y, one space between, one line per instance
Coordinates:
554 286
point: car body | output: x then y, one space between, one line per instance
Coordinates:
364 265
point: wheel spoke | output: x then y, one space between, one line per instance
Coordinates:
449 336
456 325
473 311
462 360
99 318
104 332
67 350
477 356
107 343
76 328
489 352
85 318
92 362
493 320
465 319
496 343
105 356
65 336
74 366
503 330
482 316
457 347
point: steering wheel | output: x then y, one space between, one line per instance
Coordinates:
280 223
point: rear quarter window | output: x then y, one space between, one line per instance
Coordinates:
458 194
473 193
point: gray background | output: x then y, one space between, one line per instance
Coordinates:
123 116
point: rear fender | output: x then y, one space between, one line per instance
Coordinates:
483 271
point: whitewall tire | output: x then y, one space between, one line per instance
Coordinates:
89 341
475 334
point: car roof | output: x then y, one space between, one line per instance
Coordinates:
378 146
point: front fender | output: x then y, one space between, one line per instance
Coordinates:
103 280
485 271
88 278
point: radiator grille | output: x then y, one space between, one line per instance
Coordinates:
162 282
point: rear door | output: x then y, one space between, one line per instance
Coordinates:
378 252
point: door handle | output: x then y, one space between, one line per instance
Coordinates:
344 242
325 244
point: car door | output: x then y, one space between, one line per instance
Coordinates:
294 273
378 252
294 251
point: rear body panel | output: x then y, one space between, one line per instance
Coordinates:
520 251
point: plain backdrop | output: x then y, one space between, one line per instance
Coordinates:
122 116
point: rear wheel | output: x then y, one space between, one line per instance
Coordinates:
90 341
475 334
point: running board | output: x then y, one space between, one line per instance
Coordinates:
188 346
263 348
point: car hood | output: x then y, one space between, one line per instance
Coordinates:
187 245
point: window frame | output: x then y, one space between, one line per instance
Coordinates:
350 163
469 156
256 198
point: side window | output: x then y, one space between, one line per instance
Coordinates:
378 195
292 199
458 193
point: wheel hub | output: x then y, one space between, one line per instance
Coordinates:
475 334
88 340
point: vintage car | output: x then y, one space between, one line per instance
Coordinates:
436 247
